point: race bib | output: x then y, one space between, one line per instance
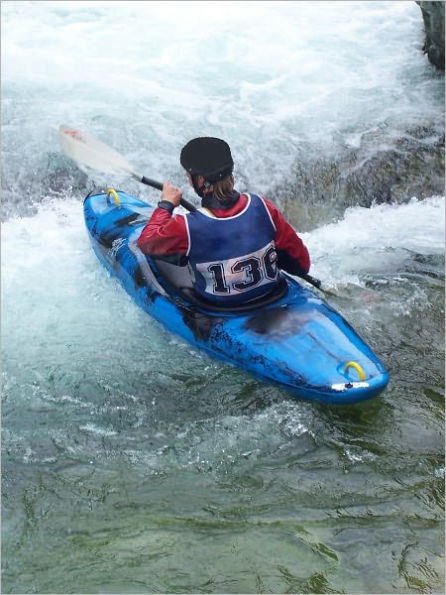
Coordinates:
241 274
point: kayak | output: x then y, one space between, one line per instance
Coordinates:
292 338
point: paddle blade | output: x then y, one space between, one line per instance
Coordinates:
88 150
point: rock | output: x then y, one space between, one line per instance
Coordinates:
386 168
433 16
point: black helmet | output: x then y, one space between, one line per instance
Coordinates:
208 157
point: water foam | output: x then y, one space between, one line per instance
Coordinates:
377 238
118 66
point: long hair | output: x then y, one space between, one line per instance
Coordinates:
223 189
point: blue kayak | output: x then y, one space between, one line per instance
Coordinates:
291 338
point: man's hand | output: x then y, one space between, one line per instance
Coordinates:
171 194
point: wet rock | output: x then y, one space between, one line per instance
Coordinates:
384 169
433 17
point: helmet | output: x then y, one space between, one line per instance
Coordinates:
207 156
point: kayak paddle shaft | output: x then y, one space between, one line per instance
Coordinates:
184 203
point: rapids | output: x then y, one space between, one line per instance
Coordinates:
132 463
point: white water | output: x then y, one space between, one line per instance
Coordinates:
131 462
270 77
53 284
377 239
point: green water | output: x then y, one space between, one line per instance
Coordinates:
140 466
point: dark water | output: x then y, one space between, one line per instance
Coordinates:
132 463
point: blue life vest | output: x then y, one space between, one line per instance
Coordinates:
233 259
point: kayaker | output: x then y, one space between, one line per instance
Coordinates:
236 243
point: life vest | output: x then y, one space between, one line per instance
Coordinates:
233 259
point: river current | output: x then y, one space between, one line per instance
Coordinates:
132 463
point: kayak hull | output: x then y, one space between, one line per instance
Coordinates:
297 341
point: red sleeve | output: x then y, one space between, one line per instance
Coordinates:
164 235
292 252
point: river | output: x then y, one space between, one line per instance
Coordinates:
132 463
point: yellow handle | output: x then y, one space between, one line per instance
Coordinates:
357 368
113 192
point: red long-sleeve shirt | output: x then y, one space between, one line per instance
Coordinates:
166 234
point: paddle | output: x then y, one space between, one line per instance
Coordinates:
90 151
312 281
